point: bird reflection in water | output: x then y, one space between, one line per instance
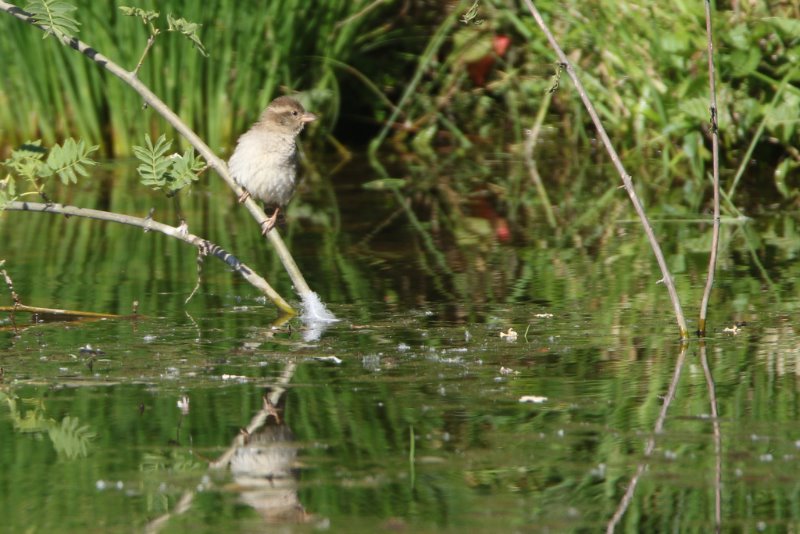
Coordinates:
263 467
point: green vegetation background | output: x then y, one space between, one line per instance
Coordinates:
644 64
642 61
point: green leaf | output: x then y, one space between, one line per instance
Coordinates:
788 26
696 108
54 17
782 119
26 161
744 62
183 170
69 160
739 37
155 164
471 44
423 141
70 439
384 184
781 171
188 30
168 172
147 16
677 42
7 190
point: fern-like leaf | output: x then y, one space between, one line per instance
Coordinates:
155 165
144 14
183 170
7 191
169 173
70 439
69 160
26 161
54 17
188 30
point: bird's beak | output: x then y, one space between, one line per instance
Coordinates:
308 117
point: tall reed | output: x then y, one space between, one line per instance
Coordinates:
257 51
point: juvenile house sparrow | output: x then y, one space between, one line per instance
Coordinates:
265 159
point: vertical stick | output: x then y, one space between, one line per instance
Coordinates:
650 446
712 261
712 399
626 178
14 296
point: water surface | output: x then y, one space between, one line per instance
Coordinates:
406 415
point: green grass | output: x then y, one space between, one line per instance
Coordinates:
257 51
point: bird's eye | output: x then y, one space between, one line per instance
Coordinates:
294 113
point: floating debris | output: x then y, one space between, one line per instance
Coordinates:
543 315
238 378
732 329
331 359
183 405
87 349
511 335
534 399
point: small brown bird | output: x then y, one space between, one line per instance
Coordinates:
264 162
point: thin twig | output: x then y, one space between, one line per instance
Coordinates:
380 227
276 391
712 399
257 422
149 224
202 148
201 254
148 46
14 296
626 178
184 503
651 443
530 145
10 284
56 311
712 260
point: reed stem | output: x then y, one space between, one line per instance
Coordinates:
712 260
626 178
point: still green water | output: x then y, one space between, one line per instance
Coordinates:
405 415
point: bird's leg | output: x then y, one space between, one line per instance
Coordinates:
270 409
269 224
244 195
183 227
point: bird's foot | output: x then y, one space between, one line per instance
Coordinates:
245 194
269 224
270 409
